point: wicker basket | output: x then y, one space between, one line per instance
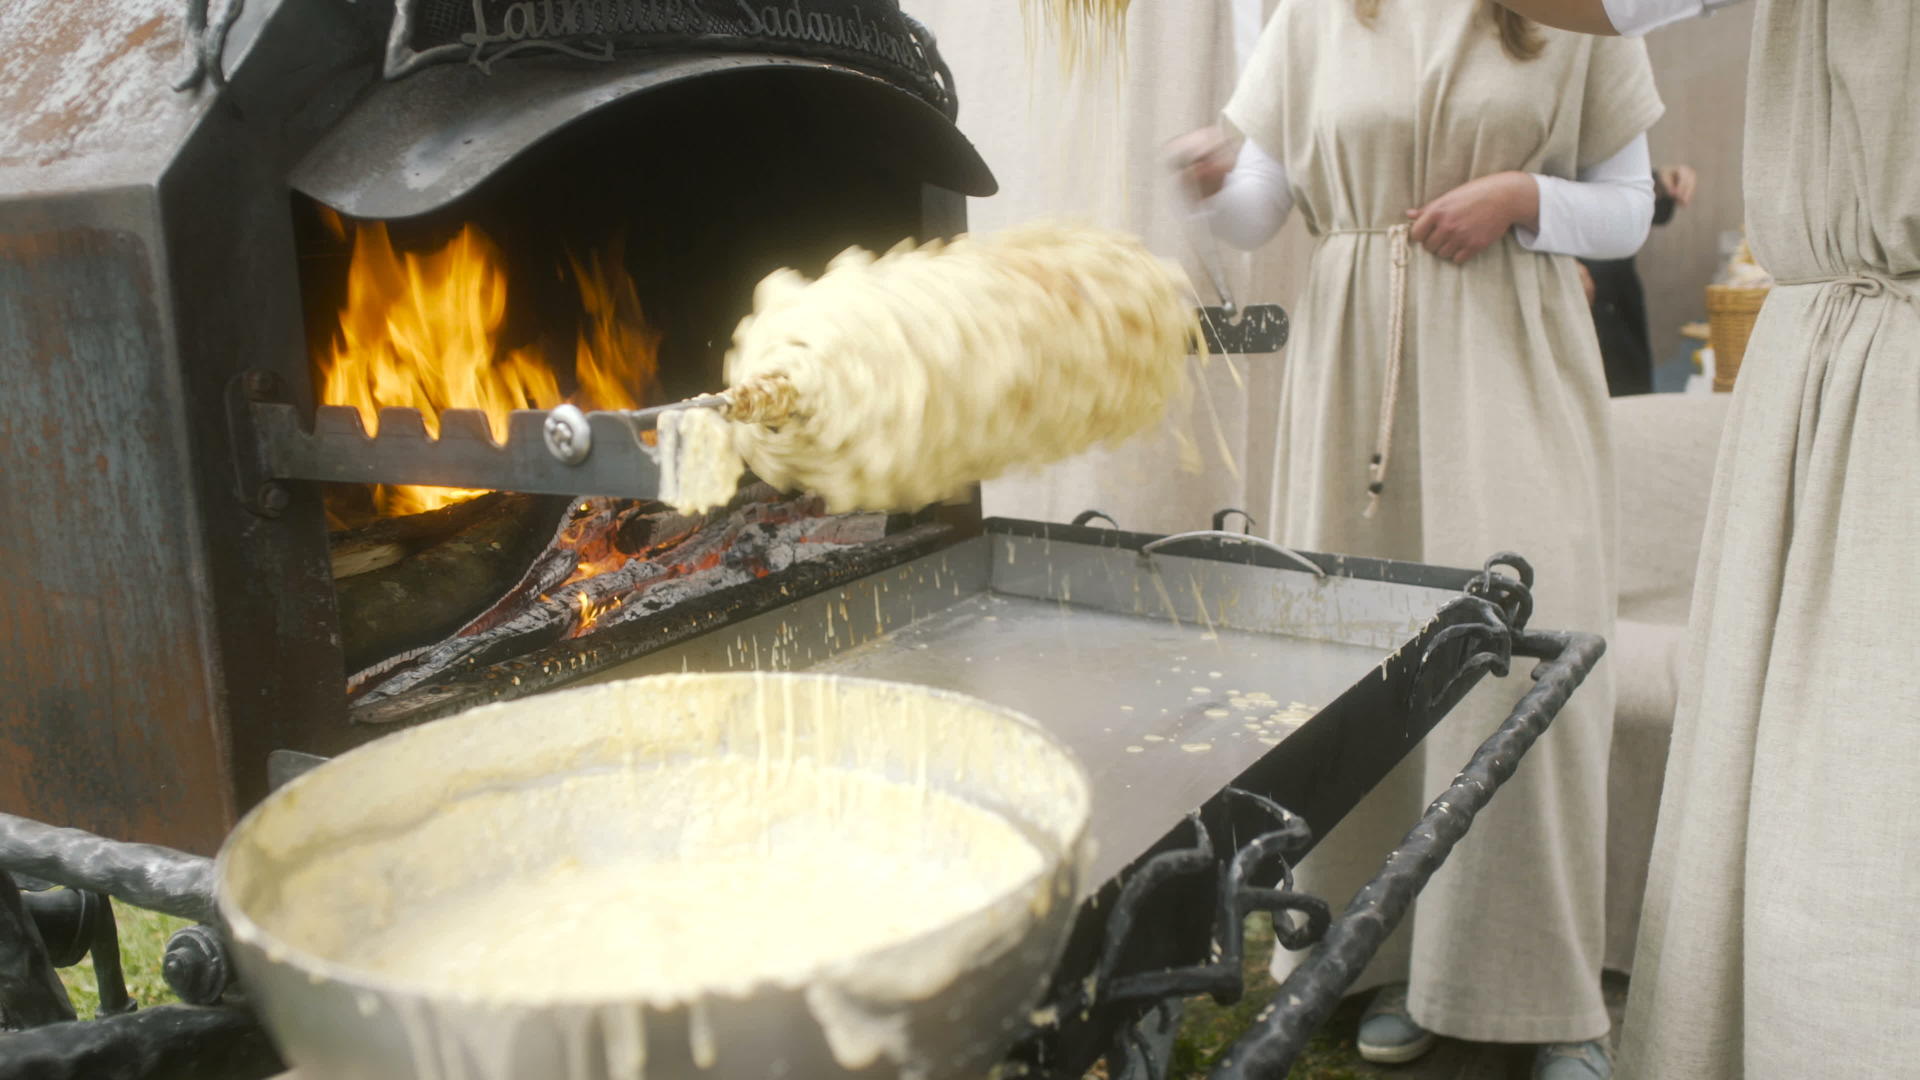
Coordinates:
1730 316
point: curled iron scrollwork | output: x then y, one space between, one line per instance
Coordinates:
923 40
1258 877
206 41
1514 595
1496 607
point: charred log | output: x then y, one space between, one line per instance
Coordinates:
568 660
617 561
440 587
382 541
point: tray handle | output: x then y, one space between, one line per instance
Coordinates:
1315 988
1148 549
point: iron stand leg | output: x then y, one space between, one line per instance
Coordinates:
30 991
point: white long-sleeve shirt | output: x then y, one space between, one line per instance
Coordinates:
1635 17
1604 213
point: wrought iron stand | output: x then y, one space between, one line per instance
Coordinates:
1171 927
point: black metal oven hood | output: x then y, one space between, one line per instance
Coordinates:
413 146
469 85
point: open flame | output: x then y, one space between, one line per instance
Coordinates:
591 609
422 330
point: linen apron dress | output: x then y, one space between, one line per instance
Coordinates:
1498 442
1779 936
1092 149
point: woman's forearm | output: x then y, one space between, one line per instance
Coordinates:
1613 16
1585 16
1254 202
1603 213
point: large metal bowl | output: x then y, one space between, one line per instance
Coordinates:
339 850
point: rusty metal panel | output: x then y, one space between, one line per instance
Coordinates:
85 90
267 584
159 639
106 718
88 87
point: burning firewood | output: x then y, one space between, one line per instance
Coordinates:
617 560
382 542
422 598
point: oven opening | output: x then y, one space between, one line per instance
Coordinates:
606 267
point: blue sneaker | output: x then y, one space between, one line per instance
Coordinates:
1388 1035
1573 1061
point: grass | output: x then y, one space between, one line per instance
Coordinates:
143 941
1207 1029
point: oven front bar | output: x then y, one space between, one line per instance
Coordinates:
560 451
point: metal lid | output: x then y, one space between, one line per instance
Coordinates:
871 35
416 144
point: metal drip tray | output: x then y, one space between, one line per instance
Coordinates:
1159 713
1171 676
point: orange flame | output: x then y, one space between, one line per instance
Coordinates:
422 330
591 610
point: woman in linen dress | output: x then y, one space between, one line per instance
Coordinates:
1087 147
1779 937
1425 149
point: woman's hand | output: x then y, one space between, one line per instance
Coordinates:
1203 159
1678 181
1465 221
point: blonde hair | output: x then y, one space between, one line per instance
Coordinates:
1518 35
1086 33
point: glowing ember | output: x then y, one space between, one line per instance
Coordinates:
422 330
